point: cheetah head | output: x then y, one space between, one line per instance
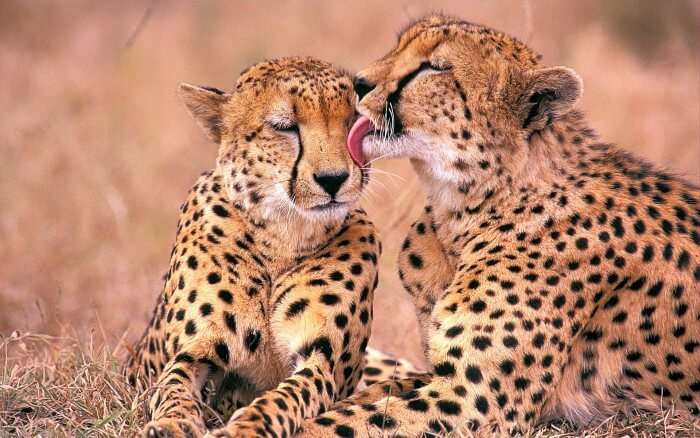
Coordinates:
281 133
461 100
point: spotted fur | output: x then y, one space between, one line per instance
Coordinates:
267 305
553 274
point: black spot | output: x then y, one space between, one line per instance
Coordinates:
449 407
321 344
473 374
190 327
252 340
631 373
324 421
535 303
668 251
454 331
538 340
507 367
382 421
220 211
445 369
364 316
617 226
225 296
521 383
341 321
683 260
418 404
559 301
230 321
222 351
655 289
330 299
620 317
510 341
478 306
356 269
213 277
205 309
416 260
481 342
344 431
481 404
297 307
184 357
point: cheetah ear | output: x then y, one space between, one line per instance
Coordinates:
549 93
204 103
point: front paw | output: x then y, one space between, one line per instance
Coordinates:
237 430
168 428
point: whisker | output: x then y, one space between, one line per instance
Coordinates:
384 172
375 159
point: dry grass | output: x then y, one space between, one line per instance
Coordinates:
58 386
96 153
61 387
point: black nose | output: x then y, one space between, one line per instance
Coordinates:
331 182
362 86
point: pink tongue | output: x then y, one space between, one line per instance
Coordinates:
358 131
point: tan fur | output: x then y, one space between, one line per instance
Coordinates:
267 304
553 275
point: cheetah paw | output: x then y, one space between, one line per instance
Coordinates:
236 430
171 429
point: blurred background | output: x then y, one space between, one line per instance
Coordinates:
97 153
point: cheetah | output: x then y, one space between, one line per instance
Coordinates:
554 275
272 275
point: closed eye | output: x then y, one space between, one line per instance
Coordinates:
424 66
439 66
284 127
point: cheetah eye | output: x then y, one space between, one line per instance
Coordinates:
285 127
439 65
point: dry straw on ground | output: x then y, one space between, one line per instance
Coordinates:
58 386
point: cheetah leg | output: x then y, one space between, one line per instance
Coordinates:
494 365
393 386
321 319
175 406
380 366
383 375
300 396
425 270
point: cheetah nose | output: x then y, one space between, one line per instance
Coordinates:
331 182
362 86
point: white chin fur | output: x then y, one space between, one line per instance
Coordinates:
375 148
327 215
434 156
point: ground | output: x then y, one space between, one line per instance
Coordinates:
64 387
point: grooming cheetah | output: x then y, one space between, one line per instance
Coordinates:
272 274
553 274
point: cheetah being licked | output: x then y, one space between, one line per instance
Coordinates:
553 274
272 273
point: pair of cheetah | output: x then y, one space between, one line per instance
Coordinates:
552 274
